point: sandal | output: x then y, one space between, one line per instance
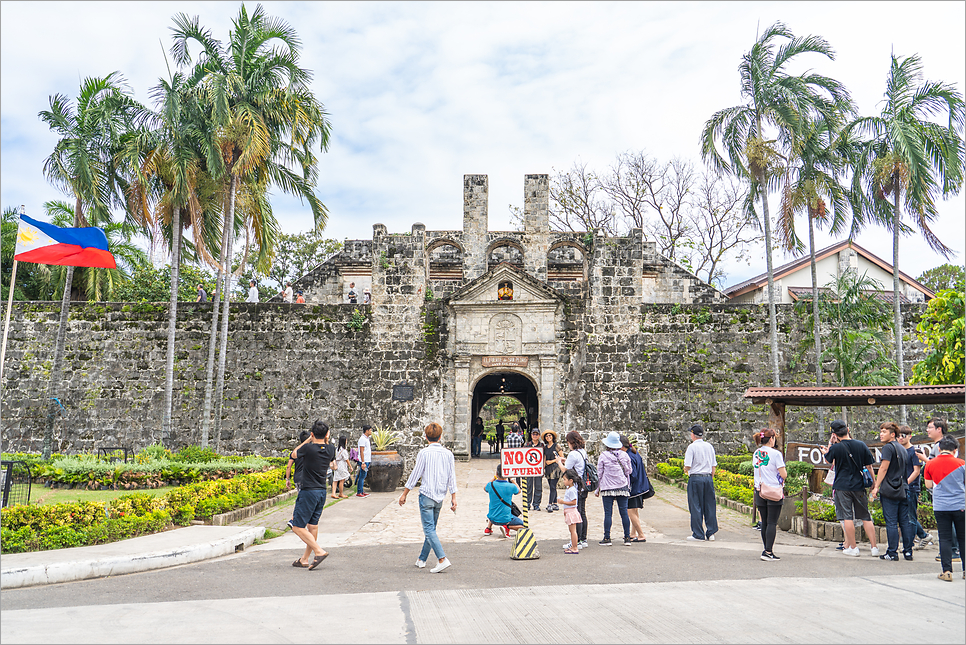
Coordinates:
572 551
318 560
639 540
298 564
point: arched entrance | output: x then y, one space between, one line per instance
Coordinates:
510 384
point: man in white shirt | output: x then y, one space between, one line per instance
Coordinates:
252 292
699 464
436 466
365 459
288 293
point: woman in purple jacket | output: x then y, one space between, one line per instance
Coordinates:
613 472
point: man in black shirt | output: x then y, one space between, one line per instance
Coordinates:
317 457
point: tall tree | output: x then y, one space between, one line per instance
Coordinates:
909 156
775 100
83 165
266 122
172 190
812 186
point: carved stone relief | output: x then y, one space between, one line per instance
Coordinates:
506 331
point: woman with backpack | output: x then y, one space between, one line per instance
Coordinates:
577 461
614 473
639 486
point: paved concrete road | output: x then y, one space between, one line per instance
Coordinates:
666 590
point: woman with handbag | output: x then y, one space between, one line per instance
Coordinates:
614 473
639 486
770 477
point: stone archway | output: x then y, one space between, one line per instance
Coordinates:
507 383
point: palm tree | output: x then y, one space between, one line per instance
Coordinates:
812 185
907 155
777 100
265 120
173 191
83 165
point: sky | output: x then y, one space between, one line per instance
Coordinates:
420 94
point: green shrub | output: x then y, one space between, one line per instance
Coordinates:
798 468
747 468
155 451
195 455
669 471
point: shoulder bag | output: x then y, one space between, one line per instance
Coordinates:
771 493
889 486
514 509
867 480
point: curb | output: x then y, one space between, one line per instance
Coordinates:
224 519
117 565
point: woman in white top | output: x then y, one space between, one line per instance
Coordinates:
769 472
576 459
342 468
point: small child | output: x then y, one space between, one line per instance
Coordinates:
571 515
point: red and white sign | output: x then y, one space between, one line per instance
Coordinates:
522 462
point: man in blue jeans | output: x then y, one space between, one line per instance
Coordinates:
365 459
895 506
436 467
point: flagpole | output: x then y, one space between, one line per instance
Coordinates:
6 328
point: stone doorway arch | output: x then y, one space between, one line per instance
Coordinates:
513 384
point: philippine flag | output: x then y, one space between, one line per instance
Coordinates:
43 243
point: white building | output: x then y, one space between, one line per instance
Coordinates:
794 280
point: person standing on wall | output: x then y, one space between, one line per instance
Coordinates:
891 482
316 456
365 459
849 458
699 464
252 292
436 467
288 294
352 296
202 295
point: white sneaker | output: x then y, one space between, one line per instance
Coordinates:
582 544
442 565
694 539
851 551
711 537
875 552
420 564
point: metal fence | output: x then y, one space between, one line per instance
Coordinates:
15 482
111 454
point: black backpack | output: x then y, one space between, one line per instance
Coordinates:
590 475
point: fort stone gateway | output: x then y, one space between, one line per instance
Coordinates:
588 332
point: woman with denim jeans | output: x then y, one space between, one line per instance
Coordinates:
576 460
614 484
436 467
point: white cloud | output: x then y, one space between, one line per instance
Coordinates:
422 93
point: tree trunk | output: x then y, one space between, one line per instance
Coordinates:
57 369
772 318
816 322
212 342
223 349
896 307
172 325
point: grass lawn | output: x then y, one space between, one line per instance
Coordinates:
40 495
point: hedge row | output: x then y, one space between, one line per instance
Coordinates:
95 474
38 528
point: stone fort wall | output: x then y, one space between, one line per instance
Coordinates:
290 364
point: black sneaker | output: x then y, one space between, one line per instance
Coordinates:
769 557
550 509
889 556
907 555
605 542
628 541
757 526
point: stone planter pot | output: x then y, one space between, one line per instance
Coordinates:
385 471
788 512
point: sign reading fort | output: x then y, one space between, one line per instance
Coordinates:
506 361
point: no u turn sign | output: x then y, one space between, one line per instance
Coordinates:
522 462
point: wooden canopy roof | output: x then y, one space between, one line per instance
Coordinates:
858 396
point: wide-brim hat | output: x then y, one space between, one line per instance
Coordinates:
612 440
550 432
